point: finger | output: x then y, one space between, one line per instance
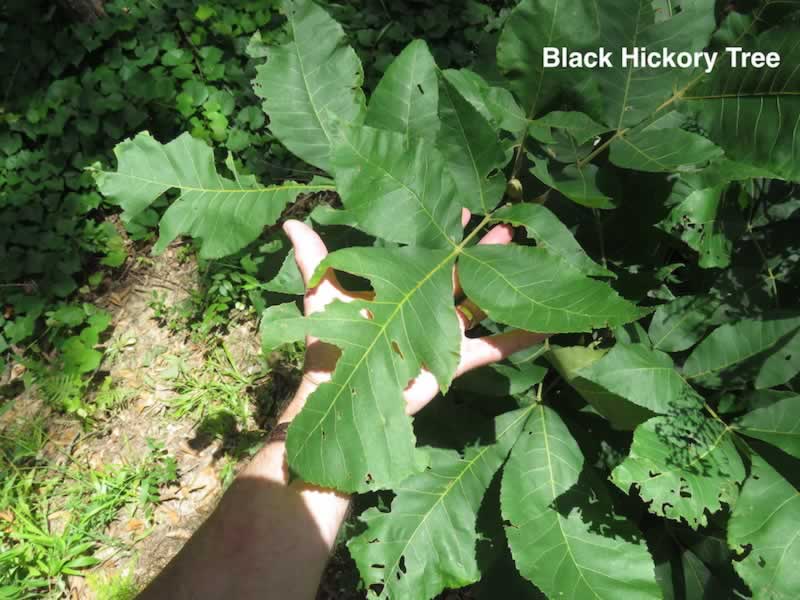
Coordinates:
465 217
499 234
474 353
309 249
420 391
309 252
480 352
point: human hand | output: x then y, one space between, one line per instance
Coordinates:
320 359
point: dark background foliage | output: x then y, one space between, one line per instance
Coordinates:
72 90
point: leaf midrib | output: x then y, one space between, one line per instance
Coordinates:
468 146
188 188
553 493
305 80
383 327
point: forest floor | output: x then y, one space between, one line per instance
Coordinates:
122 491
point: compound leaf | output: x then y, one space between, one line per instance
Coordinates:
353 433
427 541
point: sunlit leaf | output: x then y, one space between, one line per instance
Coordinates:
224 214
310 82
560 522
426 543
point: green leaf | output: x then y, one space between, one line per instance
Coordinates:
708 221
426 543
733 354
680 324
562 529
643 376
753 112
407 97
570 361
532 26
353 433
777 424
224 215
684 465
662 150
579 126
310 82
551 234
494 103
473 152
782 363
763 529
396 188
280 324
629 94
584 184
531 289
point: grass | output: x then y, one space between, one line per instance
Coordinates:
54 515
119 586
218 386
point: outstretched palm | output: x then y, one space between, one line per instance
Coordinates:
321 358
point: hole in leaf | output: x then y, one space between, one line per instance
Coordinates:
402 566
377 566
761 562
421 91
369 479
377 588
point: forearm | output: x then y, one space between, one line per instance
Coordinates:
266 539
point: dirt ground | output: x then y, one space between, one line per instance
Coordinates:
148 352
